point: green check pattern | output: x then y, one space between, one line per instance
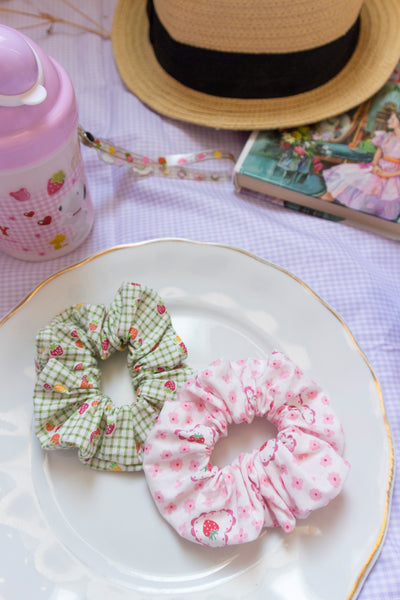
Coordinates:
69 408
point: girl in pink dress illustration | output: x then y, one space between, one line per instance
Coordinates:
372 188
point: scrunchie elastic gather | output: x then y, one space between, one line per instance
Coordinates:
288 477
69 407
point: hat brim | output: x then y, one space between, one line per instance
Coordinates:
376 55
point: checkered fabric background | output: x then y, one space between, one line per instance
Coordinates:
356 272
69 407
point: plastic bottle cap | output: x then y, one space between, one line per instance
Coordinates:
38 110
21 71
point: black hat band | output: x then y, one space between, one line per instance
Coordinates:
243 75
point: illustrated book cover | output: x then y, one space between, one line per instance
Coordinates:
346 168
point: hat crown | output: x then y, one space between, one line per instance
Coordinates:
257 26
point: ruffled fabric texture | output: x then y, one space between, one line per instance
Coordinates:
70 409
299 471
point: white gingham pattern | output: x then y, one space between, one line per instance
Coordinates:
69 407
356 272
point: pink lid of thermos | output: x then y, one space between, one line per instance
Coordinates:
45 205
37 102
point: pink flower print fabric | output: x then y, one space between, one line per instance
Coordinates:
299 471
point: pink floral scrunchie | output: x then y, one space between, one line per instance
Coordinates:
301 470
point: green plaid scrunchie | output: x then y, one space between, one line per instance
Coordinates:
69 408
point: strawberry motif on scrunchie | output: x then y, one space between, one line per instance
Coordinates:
69 408
302 469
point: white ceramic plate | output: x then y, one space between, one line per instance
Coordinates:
70 533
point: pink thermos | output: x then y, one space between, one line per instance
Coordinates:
45 206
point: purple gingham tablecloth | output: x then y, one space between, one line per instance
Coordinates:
356 272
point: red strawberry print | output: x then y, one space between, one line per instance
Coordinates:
85 383
78 366
197 434
21 195
105 344
183 347
55 439
210 529
74 333
96 432
161 309
47 386
133 333
56 350
170 385
83 408
197 437
110 428
55 183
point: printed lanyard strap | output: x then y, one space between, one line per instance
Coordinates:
177 166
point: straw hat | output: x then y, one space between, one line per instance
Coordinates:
255 64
